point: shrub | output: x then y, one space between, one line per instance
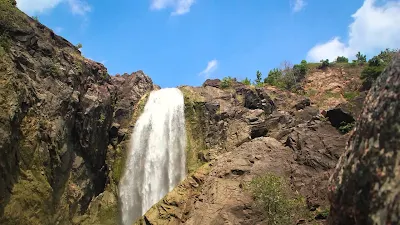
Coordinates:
35 18
278 203
376 65
324 64
226 82
345 128
79 46
274 77
342 59
361 58
246 81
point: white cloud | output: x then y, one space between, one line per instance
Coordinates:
375 28
30 7
180 6
79 7
58 30
298 5
211 67
37 6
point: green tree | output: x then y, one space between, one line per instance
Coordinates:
324 64
361 58
79 46
246 81
300 71
274 77
258 78
342 59
376 65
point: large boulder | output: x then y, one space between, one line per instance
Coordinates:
365 187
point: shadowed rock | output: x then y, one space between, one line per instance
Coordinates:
365 187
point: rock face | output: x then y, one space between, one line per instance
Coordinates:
57 137
246 134
365 188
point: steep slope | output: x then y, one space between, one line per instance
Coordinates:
365 188
250 135
333 85
63 123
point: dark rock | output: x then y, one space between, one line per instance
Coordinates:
321 216
256 99
212 83
338 116
365 187
354 106
303 103
114 130
258 129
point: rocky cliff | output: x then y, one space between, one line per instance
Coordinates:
239 133
62 120
65 125
365 188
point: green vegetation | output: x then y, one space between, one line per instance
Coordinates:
346 127
4 44
361 58
11 17
324 64
274 78
30 202
258 81
194 115
278 203
79 46
376 65
288 77
324 213
227 82
36 18
311 93
51 69
342 59
246 81
102 118
350 95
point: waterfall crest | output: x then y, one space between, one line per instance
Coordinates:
156 162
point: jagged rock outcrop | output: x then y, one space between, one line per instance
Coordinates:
216 193
56 126
365 188
243 141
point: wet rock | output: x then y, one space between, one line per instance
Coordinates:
114 130
365 187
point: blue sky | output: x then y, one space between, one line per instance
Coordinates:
180 42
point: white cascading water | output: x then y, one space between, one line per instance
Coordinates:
156 162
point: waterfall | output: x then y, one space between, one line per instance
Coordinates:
156 162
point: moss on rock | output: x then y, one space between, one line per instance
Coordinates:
194 121
30 201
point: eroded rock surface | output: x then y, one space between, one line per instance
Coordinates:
365 188
56 126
